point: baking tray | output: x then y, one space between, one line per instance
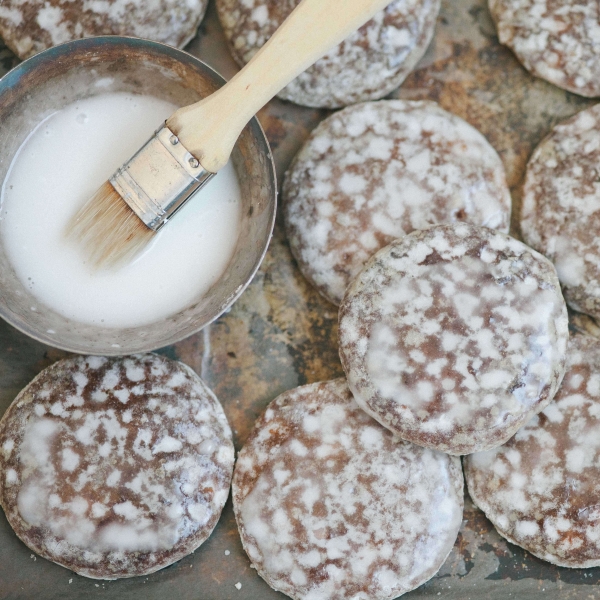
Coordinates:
281 334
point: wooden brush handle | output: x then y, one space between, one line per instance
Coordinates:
210 128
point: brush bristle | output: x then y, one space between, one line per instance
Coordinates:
109 232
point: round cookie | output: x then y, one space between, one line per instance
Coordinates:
115 467
30 26
367 65
377 171
561 207
541 489
454 337
556 40
331 505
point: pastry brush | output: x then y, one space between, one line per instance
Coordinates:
197 140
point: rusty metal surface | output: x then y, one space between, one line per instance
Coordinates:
281 334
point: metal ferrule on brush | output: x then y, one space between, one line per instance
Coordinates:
159 178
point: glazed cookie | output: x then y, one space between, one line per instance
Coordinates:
30 26
561 207
331 506
554 39
115 467
374 172
541 489
368 65
454 337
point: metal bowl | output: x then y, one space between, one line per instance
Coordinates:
64 74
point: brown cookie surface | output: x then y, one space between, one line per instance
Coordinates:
541 489
560 215
377 171
454 336
115 467
368 65
556 40
30 26
330 505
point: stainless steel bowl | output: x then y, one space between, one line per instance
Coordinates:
66 73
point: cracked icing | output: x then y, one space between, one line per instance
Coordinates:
115 467
560 214
541 490
453 337
557 40
377 171
330 505
368 65
30 26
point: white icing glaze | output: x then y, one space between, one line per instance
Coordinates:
557 40
454 336
367 65
330 505
30 26
111 491
560 215
89 139
377 171
541 489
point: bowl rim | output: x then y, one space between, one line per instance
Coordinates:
11 78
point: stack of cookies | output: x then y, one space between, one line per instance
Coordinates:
453 335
